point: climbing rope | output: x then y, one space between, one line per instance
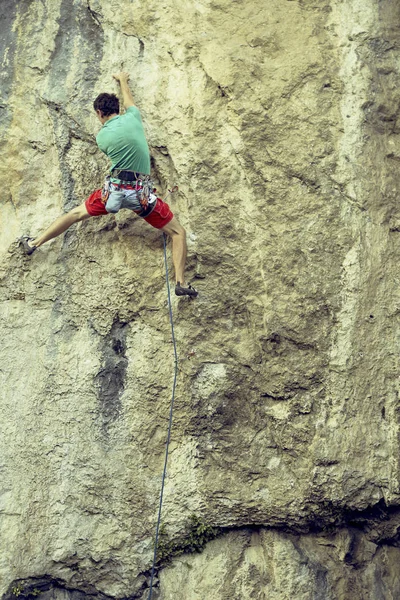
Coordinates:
171 411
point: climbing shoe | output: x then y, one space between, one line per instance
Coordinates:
185 291
24 242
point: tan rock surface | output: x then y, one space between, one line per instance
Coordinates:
278 120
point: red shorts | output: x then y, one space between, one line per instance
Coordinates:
160 216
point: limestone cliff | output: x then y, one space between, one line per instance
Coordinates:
279 121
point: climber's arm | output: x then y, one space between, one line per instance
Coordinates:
127 97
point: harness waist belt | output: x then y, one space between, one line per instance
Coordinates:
124 175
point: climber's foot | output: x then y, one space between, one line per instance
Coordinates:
27 248
185 291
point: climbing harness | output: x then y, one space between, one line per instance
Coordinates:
142 184
126 176
171 410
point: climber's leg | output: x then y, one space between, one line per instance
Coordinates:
162 218
92 207
178 235
179 249
61 224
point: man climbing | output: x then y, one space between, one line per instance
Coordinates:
123 140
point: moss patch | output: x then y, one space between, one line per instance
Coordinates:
198 533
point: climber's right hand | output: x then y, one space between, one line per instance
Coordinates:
123 76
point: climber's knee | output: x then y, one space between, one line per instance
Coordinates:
174 228
79 213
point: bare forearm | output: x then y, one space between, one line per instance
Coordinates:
126 94
127 97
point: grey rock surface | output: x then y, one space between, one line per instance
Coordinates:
279 123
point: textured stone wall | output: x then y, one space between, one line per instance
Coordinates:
279 122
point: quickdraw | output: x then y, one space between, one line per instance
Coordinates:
105 192
171 191
144 188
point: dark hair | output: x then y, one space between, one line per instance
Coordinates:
108 104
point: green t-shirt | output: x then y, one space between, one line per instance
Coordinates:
123 139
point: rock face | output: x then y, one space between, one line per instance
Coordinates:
279 122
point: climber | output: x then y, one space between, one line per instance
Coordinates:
128 185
